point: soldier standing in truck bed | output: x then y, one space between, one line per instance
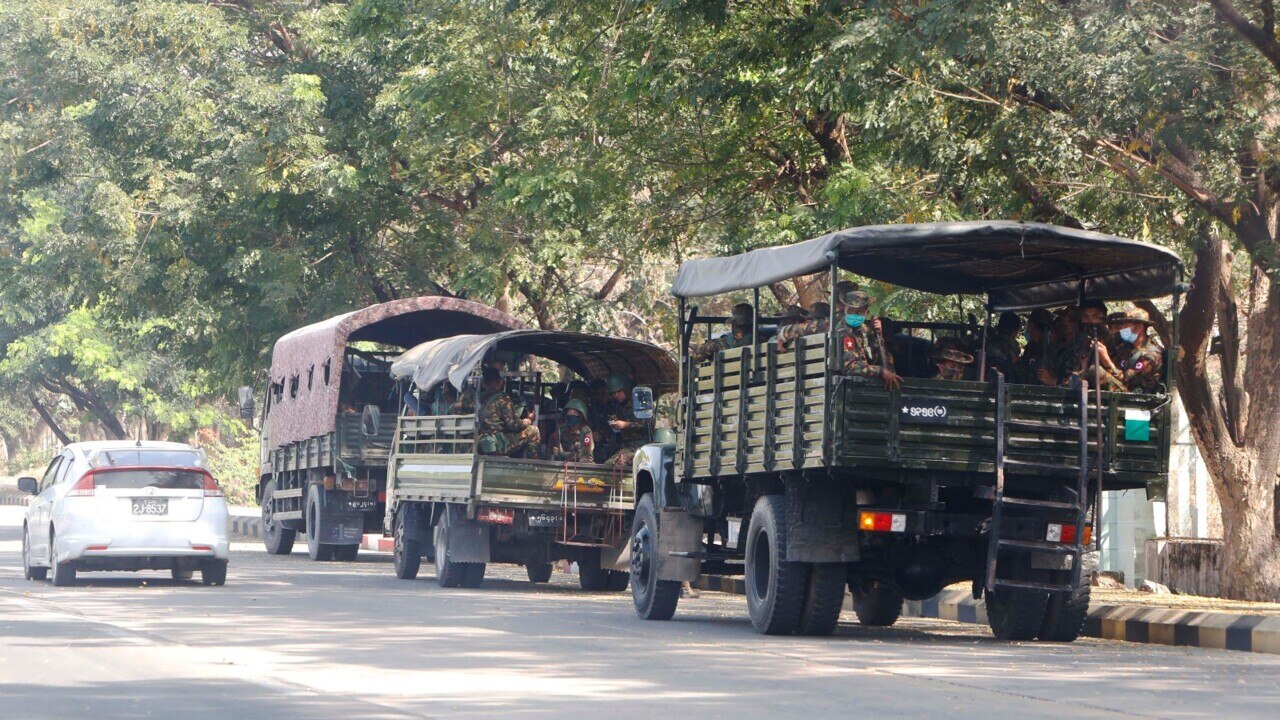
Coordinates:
857 358
630 433
501 430
1035 354
739 334
819 318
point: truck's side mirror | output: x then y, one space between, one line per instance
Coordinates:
642 403
370 420
28 485
245 394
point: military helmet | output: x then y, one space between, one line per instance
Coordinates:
580 406
820 311
618 381
792 313
855 299
1009 320
741 315
664 436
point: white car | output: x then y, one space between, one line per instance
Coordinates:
124 505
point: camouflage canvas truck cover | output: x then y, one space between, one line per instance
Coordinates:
807 479
324 445
463 503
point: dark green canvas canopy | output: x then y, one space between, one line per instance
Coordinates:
1017 265
591 356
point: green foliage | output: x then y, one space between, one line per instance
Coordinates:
234 461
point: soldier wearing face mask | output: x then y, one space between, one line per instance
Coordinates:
1138 360
952 364
857 358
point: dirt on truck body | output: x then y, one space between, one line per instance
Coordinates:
809 469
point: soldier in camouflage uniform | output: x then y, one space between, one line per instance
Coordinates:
630 433
818 321
855 341
739 334
1139 359
1073 357
501 430
1036 352
952 364
576 443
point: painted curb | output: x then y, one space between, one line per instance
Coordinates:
1129 623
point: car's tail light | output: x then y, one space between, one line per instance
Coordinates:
83 486
211 488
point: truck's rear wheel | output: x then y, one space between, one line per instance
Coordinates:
654 599
406 552
1016 613
538 572
277 538
775 586
823 599
346 553
473 575
877 603
318 551
1065 615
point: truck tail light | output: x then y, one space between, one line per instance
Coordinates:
83 486
1066 533
497 516
882 522
211 488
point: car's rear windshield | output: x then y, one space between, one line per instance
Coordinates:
148 457
159 479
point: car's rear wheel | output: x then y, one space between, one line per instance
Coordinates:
277 538
64 573
179 574
30 571
214 572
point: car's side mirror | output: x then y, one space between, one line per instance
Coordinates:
245 394
28 485
642 403
370 420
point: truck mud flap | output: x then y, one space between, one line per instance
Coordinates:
468 539
679 532
820 529
618 558
341 529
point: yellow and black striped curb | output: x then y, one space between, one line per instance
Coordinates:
1130 623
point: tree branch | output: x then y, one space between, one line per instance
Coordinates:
1263 41
607 289
49 421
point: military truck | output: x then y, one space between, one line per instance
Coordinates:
806 481
324 447
463 509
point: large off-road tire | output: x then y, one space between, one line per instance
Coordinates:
406 552
775 586
318 551
823 599
538 572
29 571
1065 615
617 581
876 603
449 572
346 553
64 574
275 537
214 572
654 599
1015 613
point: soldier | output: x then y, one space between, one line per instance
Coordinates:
501 430
630 433
1074 355
952 364
575 443
818 321
1035 354
739 334
856 342
1004 342
1140 359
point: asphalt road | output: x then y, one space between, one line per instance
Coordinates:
288 638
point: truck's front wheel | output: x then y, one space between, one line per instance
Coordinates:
654 599
775 586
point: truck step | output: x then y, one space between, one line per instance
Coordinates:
1039 546
1042 427
1029 585
1034 503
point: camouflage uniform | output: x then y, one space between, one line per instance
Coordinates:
855 352
818 322
1075 357
629 440
499 418
708 349
1140 368
576 444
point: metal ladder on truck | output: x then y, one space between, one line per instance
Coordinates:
1005 507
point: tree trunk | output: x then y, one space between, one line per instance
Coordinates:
49 421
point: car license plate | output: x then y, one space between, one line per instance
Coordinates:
924 411
150 506
543 520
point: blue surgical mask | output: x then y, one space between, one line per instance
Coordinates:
1128 335
854 320
572 420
